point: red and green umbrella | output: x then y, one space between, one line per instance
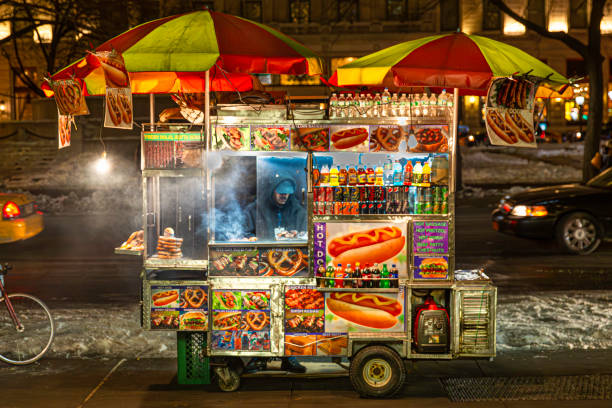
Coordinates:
172 54
454 60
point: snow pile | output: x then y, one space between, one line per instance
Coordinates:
554 321
535 322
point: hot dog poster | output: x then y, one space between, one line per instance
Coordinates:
241 320
64 129
509 112
364 312
119 112
364 242
179 308
349 138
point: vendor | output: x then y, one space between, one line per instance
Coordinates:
278 208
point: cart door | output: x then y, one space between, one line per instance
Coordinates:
474 325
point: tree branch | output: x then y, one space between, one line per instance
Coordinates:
571 42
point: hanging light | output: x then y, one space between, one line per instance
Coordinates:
102 164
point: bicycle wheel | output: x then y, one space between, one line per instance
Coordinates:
27 344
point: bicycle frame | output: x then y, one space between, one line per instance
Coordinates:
9 306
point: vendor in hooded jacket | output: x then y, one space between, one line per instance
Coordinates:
277 207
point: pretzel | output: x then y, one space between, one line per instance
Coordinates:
257 320
195 297
295 262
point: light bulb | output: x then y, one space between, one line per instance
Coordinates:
102 165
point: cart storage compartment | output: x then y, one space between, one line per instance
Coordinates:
476 321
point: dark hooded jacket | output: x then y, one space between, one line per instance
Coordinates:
266 214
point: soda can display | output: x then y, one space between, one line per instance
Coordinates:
437 207
363 193
338 207
329 194
371 207
354 207
354 193
428 201
338 194
316 194
320 208
371 193
363 207
329 208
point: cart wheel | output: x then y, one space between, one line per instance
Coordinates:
228 379
377 371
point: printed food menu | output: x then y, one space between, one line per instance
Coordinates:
179 308
305 333
241 320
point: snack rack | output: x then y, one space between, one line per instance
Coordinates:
284 310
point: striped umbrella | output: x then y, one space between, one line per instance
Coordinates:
454 60
172 54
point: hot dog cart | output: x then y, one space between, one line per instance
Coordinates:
255 228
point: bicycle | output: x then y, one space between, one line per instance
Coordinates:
27 330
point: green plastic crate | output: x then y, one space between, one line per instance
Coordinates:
193 367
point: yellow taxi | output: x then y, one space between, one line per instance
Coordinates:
19 217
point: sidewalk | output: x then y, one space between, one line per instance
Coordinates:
152 383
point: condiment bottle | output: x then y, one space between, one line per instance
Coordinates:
380 176
333 176
352 176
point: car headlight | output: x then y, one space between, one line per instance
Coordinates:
529 211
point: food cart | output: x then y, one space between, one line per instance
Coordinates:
269 235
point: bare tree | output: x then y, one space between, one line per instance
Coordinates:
591 54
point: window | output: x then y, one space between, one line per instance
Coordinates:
449 15
251 9
578 14
396 9
491 16
409 10
348 10
299 11
575 68
536 12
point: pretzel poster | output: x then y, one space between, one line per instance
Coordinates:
69 96
64 128
182 308
509 112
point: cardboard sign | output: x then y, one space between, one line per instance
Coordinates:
509 112
430 237
69 96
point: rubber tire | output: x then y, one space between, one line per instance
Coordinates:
232 385
398 372
565 221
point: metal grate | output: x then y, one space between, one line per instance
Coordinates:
475 321
588 387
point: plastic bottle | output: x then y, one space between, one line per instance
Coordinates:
369 106
352 176
398 174
384 277
385 102
388 172
449 103
325 176
333 176
367 276
362 102
408 173
442 103
343 177
426 173
424 105
417 174
416 105
380 175
350 106
348 276
333 106
361 176
377 105
403 106
358 282
321 276
370 176
329 275
376 276
339 277
394 276
316 176
341 106
433 105
394 105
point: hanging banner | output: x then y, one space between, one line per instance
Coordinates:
69 96
119 107
509 112
64 127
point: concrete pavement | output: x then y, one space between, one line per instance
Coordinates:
151 383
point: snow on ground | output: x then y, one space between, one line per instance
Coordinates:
534 322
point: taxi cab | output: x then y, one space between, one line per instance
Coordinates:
19 218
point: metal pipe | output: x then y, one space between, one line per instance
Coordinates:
452 186
207 107
152 111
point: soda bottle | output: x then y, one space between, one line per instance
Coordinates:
384 277
394 276
358 282
333 176
343 177
330 276
352 176
394 105
367 276
325 176
339 277
342 106
361 176
350 106
426 174
408 173
321 276
348 276
377 102
385 102
380 175
370 176
375 276
417 174
333 106
398 174
403 105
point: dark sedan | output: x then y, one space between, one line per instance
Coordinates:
578 216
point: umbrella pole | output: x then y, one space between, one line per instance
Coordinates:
454 136
152 110
207 107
